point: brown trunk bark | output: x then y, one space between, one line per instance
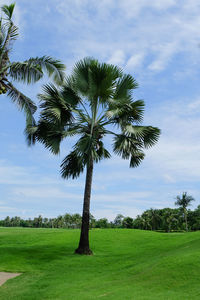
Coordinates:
84 247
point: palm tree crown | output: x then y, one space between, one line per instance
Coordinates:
28 71
184 201
95 101
93 98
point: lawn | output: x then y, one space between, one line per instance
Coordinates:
127 264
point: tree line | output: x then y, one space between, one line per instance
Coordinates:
165 219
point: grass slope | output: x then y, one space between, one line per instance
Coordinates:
128 264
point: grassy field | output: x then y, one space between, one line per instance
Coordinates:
128 264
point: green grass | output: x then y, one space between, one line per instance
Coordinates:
127 264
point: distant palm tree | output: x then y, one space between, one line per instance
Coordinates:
28 71
146 221
169 218
91 101
155 218
183 202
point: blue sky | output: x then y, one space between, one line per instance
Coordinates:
158 42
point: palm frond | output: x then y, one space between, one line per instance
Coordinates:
103 78
72 130
80 75
184 201
126 145
136 158
151 136
33 69
47 133
70 96
2 33
30 134
123 113
129 148
94 80
13 32
54 68
10 34
85 144
8 10
25 72
23 102
124 87
102 153
73 165
55 107
148 135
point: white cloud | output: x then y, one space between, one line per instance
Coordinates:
178 151
117 58
135 61
11 174
134 8
111 212
166 53
114 31
44 193
194 105
122 197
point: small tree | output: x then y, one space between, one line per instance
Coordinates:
169 219
183 202
154 217
118 220
127 222
146 220
102 223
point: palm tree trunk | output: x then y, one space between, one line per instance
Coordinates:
83 247
186 224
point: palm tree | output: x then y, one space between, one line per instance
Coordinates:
28 71
169 218
183 202
146 220
155 218
95 98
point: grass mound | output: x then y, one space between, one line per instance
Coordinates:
127 264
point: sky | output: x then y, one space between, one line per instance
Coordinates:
158 43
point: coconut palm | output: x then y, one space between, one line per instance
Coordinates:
183 202
155 218
28 71
93 100
169 219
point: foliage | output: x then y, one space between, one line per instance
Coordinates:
183 202
92 99
65 221
127 222
118 220
165 219
28 71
